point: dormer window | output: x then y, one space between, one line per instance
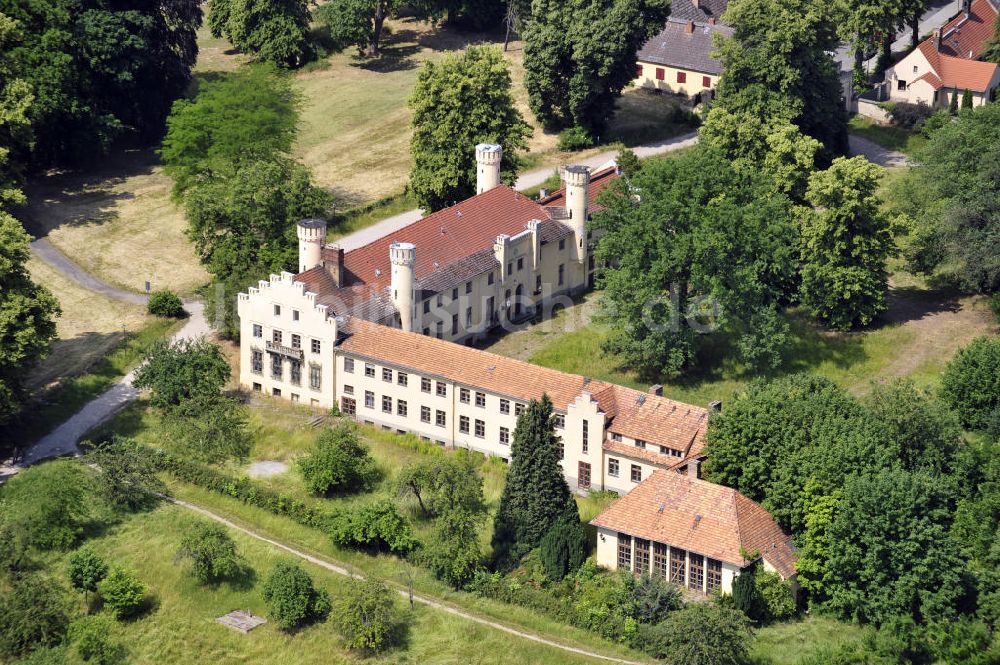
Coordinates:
639 443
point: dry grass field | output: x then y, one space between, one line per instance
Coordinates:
118 223
90 326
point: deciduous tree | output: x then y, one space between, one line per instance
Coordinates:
126 474
48 504
86 570
211 551
274 31
701 634
357 22
123 593
339 462
182 370
291 598
579 55
459 102
366 616
33 614
845 245
971 382
442 484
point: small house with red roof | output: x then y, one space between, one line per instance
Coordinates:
948 63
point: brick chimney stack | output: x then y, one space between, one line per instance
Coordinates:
689 28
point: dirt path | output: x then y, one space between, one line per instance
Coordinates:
875 153
423 600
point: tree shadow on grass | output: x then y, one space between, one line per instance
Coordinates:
394 58
907 304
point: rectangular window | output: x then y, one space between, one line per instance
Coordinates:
315 376
463 395
468 288
636 473
696 571
316 346
276 392
258 330
349 365
427 306
276 336
639 443
481 400
454 294
520 263
586 437
510 267
562 274
277 369
538 283
295 367
439 329
425 414
489 278
369 399
562 244
583 476
256 362
613 465
401 407
615 436
454 324
386 404
562 448
440 300
402 378
480 429
296 341
559 421
901 85
504 406
277 310
660 560
713 575
348 406
641 556
439 418
387 375
442 388
682 77
468 317
257 387
425 384
518 409
624 552
463 424
348 390
678 567
369 369
660 74
706 81
638 71
295 315
504 436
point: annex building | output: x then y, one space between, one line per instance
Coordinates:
381 333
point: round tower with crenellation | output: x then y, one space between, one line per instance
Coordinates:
403 256
577 182
312 237
488 158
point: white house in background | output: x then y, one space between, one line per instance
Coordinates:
947 64
691 532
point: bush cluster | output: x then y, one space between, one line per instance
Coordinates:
165 303
575 138
377 526
910 116
292 599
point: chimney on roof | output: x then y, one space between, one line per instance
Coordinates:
711 20
689 28
967 8
715 406
336 266
697 4
656 389
937 39
694 468
543 193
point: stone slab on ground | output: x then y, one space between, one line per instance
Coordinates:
241 621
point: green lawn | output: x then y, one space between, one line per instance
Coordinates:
891 138
788 643
181 628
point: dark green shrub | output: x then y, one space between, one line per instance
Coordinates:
575 138
338 462
212 553
910 116
377 526
47 504
564 549
656 599
86 570
166 304
700 634
123 593
291 598
46 656
366 616
746 594
971 382
210 428
935 122
33 614
995 305
776 595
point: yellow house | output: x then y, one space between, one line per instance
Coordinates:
947 64
679 59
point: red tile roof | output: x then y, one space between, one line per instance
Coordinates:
966 36
447 235
660 420
598 181
705 518
956 73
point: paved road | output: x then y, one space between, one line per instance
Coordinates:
525 181
45 251
876 153
423 600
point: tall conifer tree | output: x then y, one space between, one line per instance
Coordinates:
536 495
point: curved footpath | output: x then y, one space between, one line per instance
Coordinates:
423 600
